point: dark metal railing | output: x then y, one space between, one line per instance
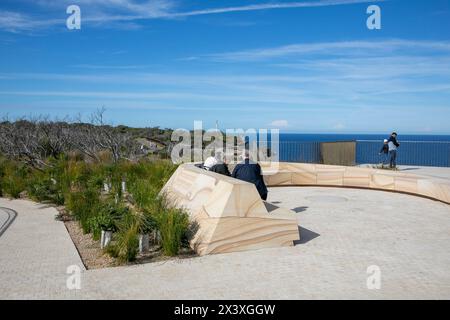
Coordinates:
420 153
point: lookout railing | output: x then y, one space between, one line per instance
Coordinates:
419 153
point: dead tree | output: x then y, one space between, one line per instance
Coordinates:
33 141
98 136
21 140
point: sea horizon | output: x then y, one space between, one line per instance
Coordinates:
323 137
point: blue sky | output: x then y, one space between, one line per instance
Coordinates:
304 66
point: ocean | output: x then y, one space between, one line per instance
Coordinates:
320 137
422 150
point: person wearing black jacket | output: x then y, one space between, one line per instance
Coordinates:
393 145
385 153
251 172
221 168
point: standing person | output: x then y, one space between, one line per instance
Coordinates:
393 145
251 172
384 152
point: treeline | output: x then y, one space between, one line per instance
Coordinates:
34 141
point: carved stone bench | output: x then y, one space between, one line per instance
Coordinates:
229 213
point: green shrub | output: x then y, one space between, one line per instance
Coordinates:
38 187
158 172
84 205
41 187
173 225
14 179
126 246
103 221
155 173
94 227
112 214
2 175
146 222
143 193
63 177
126 243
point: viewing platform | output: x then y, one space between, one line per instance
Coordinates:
230 215
343 231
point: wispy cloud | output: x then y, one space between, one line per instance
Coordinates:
364 81
279 124
150 8
110 13
110 67
165 95
360 71
338 126
269 6
342 48
16 22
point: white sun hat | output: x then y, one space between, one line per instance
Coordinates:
210 162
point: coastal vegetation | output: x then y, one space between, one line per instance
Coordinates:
100 176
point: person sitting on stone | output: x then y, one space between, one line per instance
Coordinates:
251 172
221 167
209 163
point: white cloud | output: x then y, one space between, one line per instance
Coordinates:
111 67
342 48
268 6
175 95
360 85
339 126
279 123
18 22
150 8
112 13
106 13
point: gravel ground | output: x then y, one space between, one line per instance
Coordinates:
91 254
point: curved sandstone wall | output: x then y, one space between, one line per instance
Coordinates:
301 174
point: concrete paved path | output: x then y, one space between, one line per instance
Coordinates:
435 172
344 231
35 252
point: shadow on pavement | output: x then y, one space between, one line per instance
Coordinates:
305 236
299 209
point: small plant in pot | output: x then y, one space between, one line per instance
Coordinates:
146 225
107 226
110 216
